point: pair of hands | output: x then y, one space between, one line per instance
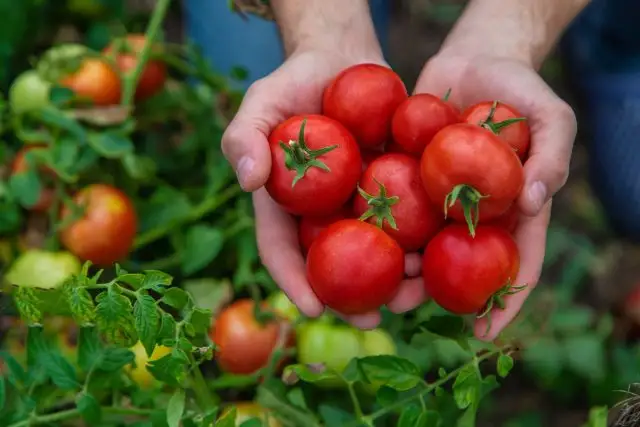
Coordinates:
296 88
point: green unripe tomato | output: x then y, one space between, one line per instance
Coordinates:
29 92
281 303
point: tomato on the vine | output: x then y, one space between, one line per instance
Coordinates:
138 370
154 73
93 79
355 267
392 197
419 118
363 98
28 92
504 120
315 165
244 345
283 306
332 345
310 226
465 274
246 411
20 164
472 173
104 234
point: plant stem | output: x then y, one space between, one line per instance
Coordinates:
206 399
74 413
354 399
131 80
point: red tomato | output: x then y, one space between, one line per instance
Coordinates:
419 118
363 98
499 118
244 344
354 267
464 274
315 165
154 73
392 196
20 164
470 169
96 81
508 220
311 226
104 235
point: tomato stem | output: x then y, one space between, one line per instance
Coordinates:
447 94
496 127
298 157
497 300
469 199
380 206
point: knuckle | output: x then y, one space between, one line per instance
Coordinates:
563 112
559 172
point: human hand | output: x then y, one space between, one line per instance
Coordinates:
475 78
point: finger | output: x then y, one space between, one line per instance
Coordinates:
245 141
410 295
531 239
280 253
412 264
363 321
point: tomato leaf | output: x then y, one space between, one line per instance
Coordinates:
60 96
169 369
448 326
10 215
166 205
28 305
62 157
88 407
201 320
114 318
14 371
202 244
176 298
3 393
89 348
113 359
59 119
156 281
414 416
335 416
147 321
167 329
395 372
26 187
505 364
61 371
209 293
79 301
111 145
175 409
228 419
466 388
139 168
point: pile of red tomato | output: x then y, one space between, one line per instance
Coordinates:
380 174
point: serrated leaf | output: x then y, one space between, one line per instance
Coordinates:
114 317
202 244
167 327
134 280
15 372
113 359
201 320
27 303
175 409
89 348
169 369
61 371
308 373
147 321
176 298
505 364
395 372
79 301
89 407
466 387
37 346
156 281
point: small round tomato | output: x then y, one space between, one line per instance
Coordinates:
20 164
472 173
105 233
246 411
464 274
332 345
419 118
364 98
154 73
28 92
355 267
505 121
315 165
138 371
244 344
283 306
310 226
508 220
392 197
94 80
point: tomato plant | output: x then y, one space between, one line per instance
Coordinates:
138 369
363 98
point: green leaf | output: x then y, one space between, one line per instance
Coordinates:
156 281
3 393
37 346
176 298
572 319
307 373
335 416
147 321
60 96
169 369
448 326
57 118
468 418
113 359
175 409
413 416
138 167
166 206
114 318
395 372
26 187
88 407
466 388
61 371
202 244
546 358
15 372
89 348
10 216
209 294
598 417
201 320
228 419
585 355
505 364
27 303
111 145
167 328
79 301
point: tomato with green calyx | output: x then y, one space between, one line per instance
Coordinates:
355 267
127 51
310 226
465 274
283 306
419 118
245 345
21 165
246 411
393 198
29 92
363 98
469 171
505 121
104 234
315 165
138 371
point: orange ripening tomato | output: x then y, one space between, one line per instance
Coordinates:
95 80
20 164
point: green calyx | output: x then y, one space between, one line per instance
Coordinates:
299 158
469 199
447 94
497 300
379 206
496 127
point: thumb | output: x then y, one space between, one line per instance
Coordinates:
245 141
547 168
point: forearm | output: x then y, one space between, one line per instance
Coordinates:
521 29
344 26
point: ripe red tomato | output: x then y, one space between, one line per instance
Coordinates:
419 118
499 118
508 220
354 267
310 226
104 235
392 196
315 165
471 172
464 274
154 73
244 344
363 98
96 81
20 164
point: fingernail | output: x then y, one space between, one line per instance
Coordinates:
243 170
537 194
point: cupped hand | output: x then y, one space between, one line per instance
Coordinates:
553 130
295 88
